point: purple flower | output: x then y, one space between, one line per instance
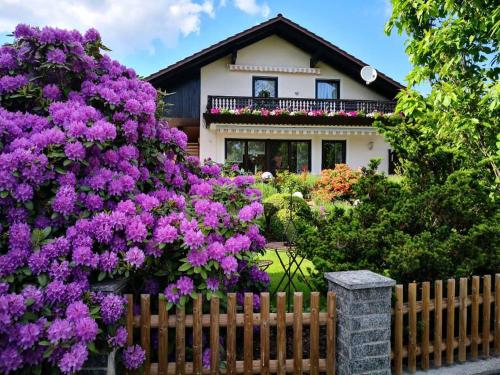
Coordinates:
108 261
86 329
64 201
56 56
133 357
75 151
206 358
171 293
73 360
29 334
212 284
185 285
135 257
60 330
10 359
197 257
247 213
120 337
136 230
51 91
216 251
194 239
229 264
77 310
23 192
112 308
166 234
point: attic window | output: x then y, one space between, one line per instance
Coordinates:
265 87
327 89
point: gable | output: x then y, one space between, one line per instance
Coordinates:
316 47
276 52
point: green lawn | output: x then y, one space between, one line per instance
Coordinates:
276 272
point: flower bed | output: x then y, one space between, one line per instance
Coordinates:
279 116
94 187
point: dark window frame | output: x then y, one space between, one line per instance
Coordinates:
323 151
255 78
267 147
319 80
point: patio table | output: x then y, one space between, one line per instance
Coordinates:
290 268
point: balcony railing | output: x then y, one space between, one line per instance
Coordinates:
299 104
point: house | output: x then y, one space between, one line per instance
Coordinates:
277 96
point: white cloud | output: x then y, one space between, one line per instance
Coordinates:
125 25
251 7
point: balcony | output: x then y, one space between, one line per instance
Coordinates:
295 111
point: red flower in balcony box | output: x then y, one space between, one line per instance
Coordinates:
215 111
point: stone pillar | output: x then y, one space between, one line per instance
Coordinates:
106 363
364 322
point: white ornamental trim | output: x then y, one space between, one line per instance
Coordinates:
274 69
232 129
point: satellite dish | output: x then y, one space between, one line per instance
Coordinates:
369 74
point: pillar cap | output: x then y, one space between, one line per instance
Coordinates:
362 279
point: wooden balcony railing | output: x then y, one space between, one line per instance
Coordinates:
299 104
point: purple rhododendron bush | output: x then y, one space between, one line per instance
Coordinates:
94 187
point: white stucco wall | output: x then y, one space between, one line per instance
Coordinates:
217 79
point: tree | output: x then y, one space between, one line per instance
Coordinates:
453 46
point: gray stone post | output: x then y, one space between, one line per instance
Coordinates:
104 364
364 322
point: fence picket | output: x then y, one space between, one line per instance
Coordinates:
475 318
231 334
162 336
180 340
462 321
412 332
297 333
214 335
314 331
426 295
486 315
281 327
248 334
398 331
450 321
264 333
497 315
146 331
197 335
438 322
331 333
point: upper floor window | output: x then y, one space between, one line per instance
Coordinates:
265 87
327 89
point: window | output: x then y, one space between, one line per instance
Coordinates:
269 155
333 152
327 89
265 87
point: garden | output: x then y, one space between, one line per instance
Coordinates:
96 189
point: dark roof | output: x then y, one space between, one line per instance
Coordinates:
288 30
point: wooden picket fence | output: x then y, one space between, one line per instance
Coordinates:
466 318
239 359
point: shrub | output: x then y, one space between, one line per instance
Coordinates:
277 215
289 183
448 230
336 183
93 187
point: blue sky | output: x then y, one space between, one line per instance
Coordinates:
149 35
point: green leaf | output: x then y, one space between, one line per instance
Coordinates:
42 279
186 266
4 194
92 348
101 276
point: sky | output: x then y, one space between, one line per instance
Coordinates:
148 35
